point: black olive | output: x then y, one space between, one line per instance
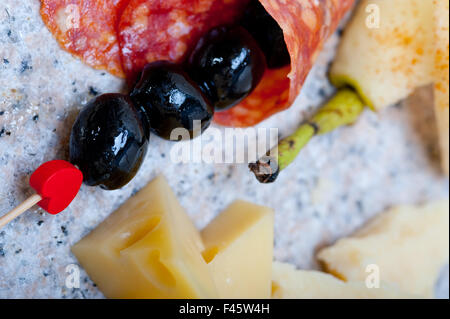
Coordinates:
228 65
171 100
108 141
267 32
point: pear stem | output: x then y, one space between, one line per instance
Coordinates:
343 109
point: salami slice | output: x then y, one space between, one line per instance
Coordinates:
87 29
306 24
154 30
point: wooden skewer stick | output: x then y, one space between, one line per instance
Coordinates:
19 210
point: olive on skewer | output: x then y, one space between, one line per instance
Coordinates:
108 141
171 100
228 65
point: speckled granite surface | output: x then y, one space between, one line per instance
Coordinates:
339 182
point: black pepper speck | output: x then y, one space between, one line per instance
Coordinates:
36 117
39 223
322 93
25 66
93 91
64 230
2 251
4 132
5 61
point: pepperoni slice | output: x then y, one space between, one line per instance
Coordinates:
154 30
306 24
87 29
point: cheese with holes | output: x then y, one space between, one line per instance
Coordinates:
239 251
148 248
409 245
289 283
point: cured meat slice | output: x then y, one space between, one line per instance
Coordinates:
306 24
87 29
154 30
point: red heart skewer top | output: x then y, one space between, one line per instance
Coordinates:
58 183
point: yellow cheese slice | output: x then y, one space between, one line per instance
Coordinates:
239 251
386 51
441 9
409 245
148 248
289 283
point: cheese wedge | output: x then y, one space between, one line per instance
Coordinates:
239 251
409 245
386 51
441 12
289 283
148 248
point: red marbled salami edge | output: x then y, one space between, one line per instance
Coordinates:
87 29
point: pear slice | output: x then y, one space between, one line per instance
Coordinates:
386 51
441 11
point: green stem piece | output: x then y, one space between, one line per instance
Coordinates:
343 109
